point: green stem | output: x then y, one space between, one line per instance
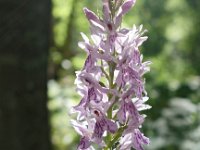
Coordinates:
102 69
111 86
111 74
112 66
116 136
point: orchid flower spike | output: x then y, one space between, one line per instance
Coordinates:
111 82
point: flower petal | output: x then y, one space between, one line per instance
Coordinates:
133 112
98 132
126 6
106 11
139 140
91 15
111 126
121 114
89 63
84 143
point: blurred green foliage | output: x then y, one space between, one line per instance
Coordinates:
173 84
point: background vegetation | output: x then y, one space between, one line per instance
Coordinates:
173 84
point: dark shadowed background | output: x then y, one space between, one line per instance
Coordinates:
39 55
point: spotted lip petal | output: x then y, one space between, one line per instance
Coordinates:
94 95
134 139
102 124
98 131
121 114
84 143
88 65
139 140
133 112
128 109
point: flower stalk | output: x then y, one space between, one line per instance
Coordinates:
111 82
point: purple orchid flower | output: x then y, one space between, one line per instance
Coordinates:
133 139
102 124
111 83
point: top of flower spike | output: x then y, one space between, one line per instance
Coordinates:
119 11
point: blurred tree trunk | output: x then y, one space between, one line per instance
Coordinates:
24 43
70 52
